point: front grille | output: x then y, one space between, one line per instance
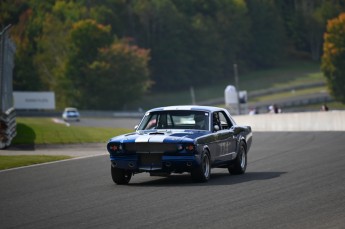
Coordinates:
150 147
150 159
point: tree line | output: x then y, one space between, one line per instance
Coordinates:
107 53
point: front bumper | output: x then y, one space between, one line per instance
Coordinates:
155 162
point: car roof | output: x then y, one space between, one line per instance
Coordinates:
70 108
188 107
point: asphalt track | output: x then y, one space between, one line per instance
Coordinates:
294 180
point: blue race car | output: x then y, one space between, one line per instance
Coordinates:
180 139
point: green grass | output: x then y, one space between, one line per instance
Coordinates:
317 106
33 131
45 131
291 94
287 75
7 162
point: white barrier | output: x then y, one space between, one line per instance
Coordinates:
304 121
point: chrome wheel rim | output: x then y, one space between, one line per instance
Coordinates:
206 166
243 158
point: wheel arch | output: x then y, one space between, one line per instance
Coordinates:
242 139
245 144
206 149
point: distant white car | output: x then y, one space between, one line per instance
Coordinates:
71 114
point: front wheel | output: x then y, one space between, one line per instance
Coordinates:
120 176
239 165
203 172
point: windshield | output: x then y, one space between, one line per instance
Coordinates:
190 119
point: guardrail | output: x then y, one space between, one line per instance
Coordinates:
299 121
302 121
7 112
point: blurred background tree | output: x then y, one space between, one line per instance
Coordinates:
188 43
86 38
333 59
120 74
53 48
267 47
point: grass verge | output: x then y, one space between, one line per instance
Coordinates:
316 106
44 131
8 162
287 75
291 94
33 131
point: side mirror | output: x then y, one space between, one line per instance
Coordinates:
216 128
136 127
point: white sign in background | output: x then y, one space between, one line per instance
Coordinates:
34 100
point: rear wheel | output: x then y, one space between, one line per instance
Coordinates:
203 172
239 165
120 176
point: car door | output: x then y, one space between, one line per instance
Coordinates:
226 139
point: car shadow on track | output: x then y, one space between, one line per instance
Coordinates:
216 179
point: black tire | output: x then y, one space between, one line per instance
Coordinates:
239 165
120 176
203 172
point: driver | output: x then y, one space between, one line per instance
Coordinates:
200 121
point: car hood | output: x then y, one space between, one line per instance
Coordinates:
161 136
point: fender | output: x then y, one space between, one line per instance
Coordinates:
239 140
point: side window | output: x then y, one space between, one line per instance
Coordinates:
216 122
170 121
225 121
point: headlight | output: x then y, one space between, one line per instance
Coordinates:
190 147
115 148
187 147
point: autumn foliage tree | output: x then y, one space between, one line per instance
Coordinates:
333 59
62 44
53 49
119 75
104 73
86 38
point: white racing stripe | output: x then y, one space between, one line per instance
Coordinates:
151 138
157 138
144 138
